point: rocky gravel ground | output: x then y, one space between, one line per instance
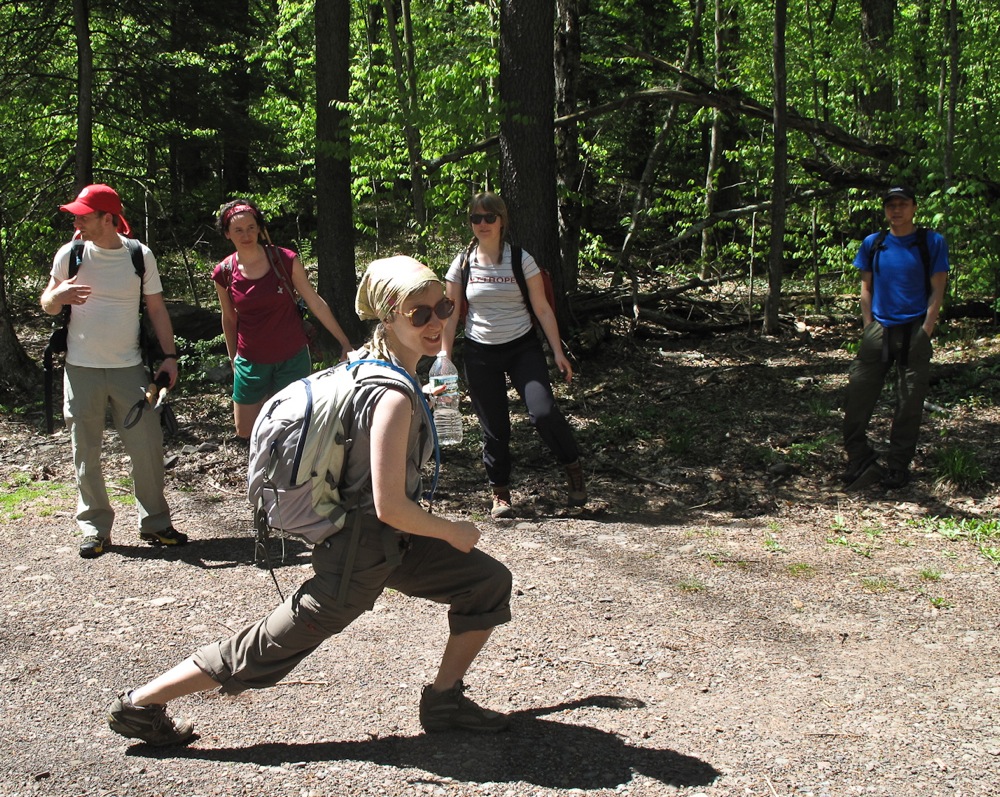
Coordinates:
720 620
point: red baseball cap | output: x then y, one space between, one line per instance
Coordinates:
98 197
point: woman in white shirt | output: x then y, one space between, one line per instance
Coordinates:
501 342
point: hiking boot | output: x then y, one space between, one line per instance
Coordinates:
501 504
167 536
577 489
93 546
151 724
862 474
895 479
453 711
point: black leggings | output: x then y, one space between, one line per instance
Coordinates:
486 369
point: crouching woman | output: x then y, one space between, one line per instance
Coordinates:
401 546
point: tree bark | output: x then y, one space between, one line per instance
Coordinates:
527 146
84 167
954 76
777 249
640 204
406 91
569 170
877 29
334 212
721 175
19 375
236 123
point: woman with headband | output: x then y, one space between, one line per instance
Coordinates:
257 287
401 547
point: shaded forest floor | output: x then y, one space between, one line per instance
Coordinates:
720 619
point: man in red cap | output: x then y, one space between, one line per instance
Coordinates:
104 365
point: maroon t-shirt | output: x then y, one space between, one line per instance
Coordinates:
268 326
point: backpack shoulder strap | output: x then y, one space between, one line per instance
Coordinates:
873 256
138 261
75 258
877 246
228 266
467 266
516 258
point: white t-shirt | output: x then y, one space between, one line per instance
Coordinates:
104 330
497 313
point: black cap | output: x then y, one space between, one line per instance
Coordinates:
903 191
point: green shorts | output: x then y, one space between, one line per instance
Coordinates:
252 382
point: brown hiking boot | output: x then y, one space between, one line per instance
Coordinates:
502 507
577 489
151 724
451 710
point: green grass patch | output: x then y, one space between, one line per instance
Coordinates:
930 574
801 570
957 465
972 529
978 531
801 453
21 492
690 585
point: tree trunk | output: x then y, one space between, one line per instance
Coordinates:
334 210
19 375
569 169
954 76
721 174
877 29
777 248
527 146
84 172
406 89
641 202
235 123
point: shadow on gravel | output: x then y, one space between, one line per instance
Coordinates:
541 752
219 553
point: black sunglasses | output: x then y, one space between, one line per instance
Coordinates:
479 218
421 314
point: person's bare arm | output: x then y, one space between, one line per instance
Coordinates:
156 309
390 433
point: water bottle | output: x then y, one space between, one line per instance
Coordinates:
447 418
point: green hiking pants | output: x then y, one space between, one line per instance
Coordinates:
908 348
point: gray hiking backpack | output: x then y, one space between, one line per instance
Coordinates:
298 443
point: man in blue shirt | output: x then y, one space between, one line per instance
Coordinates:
903 279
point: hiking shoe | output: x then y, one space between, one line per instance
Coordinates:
501 505
863 474
856 467
167 536
453 711
151 724
895 479
92 546
577 489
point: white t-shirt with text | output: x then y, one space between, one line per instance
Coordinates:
497 313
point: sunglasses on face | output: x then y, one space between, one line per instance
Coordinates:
479 218
421 314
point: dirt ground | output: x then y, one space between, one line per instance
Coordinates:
720 620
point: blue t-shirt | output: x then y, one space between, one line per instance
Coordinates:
899 285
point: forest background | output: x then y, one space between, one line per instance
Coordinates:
682 168
645 147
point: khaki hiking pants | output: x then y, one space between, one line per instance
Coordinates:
881 349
